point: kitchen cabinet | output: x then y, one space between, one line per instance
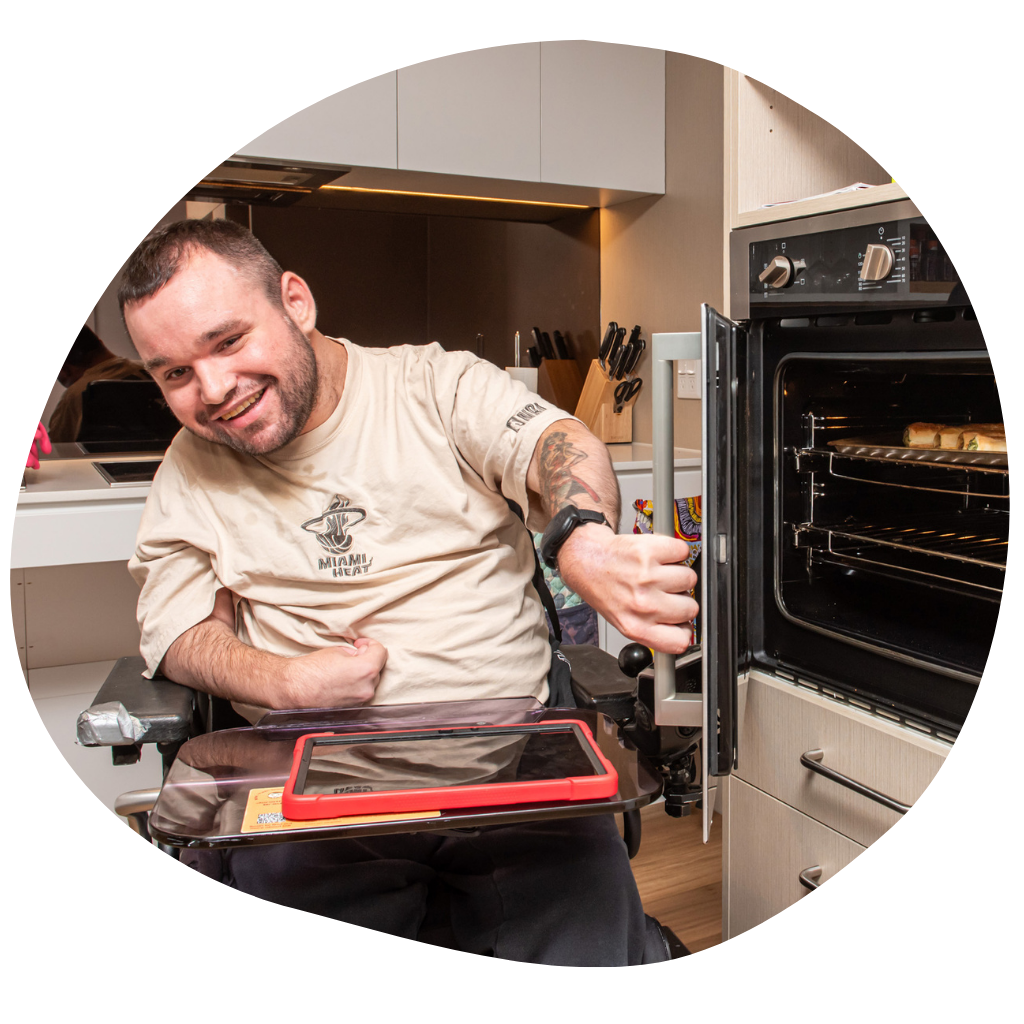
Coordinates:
562 113
73 604
777 150
355 126
603 115
71 594
475 113
69 515
766 847
781 818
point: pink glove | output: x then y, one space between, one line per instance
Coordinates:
40 446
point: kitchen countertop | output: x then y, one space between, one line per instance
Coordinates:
638 456
77 480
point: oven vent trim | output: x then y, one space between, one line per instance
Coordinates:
890 715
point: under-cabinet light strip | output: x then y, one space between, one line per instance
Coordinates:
445 195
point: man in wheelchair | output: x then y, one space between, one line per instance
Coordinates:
334 527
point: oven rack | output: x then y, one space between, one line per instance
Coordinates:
883 471
964 550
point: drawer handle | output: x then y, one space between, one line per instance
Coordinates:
812 760
809 877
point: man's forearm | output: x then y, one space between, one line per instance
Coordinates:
635 582
572 467
209 657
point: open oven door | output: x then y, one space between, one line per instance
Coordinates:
714 709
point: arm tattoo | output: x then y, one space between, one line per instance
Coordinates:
558 484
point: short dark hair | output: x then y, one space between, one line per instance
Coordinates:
158 258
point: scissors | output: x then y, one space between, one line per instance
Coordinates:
625 391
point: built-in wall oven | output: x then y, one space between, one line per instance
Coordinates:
835 554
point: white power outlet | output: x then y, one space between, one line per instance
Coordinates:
688 378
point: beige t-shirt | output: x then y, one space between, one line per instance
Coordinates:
388 521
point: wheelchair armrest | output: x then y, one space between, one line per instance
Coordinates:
598 683
130 710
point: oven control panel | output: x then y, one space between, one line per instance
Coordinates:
885 262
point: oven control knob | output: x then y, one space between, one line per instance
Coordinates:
778 273
878 261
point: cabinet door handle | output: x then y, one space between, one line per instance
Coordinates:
812 759
809 877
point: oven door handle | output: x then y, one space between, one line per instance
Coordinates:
811 759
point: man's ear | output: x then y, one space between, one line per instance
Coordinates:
298 301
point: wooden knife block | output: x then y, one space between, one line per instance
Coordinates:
596 405
559 381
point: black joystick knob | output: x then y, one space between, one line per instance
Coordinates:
634 658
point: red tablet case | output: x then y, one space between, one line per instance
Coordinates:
312 806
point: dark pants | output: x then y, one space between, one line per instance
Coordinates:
554 892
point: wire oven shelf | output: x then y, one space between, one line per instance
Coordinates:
912 469
966 549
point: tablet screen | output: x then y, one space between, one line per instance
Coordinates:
444 758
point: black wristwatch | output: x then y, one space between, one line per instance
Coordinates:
561 525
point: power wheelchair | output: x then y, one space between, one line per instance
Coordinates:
130 711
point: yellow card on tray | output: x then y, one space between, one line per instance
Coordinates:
263 814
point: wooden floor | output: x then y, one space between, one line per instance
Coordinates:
679 878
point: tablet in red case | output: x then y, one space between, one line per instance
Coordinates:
335 775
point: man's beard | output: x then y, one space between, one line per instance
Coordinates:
296 393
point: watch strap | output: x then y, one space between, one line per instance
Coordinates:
560 528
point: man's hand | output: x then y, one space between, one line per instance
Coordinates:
635 582
312 680
209 657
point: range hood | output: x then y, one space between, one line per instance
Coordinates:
263 182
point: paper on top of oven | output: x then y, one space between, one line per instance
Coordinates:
856 187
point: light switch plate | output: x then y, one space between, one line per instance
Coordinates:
688 378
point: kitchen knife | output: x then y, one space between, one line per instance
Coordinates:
551 354
560 347
616 365
634 335
627 353
534 356
544 349
629 364
606 343
616 345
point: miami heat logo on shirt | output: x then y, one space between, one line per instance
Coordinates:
331 529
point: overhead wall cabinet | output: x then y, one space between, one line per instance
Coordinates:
355 126
561 113
778 151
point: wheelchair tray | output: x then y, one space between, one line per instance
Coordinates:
404 770
224 789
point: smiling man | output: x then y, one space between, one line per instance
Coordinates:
255 404
333 528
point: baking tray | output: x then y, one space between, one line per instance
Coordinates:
890 447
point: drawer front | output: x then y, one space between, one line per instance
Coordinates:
767 846
780 722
